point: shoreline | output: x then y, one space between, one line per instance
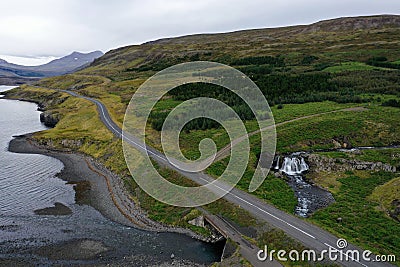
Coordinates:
96 186
92 230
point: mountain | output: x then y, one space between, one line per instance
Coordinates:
69 63
19 74
334 59
354 23
341 34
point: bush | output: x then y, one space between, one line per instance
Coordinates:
382 62
273 61
307 60
391 103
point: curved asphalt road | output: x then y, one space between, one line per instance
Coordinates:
308 234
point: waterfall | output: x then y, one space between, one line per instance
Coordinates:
277 163
294 165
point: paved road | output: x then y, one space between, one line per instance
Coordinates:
308 234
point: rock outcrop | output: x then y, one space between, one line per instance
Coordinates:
320 163
199 221
395 213
49 119
342 142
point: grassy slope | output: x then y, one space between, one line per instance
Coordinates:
385 195
351 66
362 223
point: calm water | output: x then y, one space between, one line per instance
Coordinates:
28 182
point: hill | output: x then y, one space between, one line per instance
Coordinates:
338 35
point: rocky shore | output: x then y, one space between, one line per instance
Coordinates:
97 186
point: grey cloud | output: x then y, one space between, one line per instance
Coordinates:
45 27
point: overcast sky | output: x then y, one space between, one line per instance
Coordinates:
43 29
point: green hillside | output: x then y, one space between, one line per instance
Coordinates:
348 65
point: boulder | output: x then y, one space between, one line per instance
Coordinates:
199 221
49 119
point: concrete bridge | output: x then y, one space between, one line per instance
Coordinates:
247 250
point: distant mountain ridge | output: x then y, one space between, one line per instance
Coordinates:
253 42
354 23
330 25
10 72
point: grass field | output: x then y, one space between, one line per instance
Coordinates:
386 195
351 66
362 221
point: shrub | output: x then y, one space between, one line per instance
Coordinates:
391 103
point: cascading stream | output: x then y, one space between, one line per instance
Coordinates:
310 197
294 165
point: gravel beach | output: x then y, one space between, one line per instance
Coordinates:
76 171
101 189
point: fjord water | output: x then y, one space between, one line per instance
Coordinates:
28 182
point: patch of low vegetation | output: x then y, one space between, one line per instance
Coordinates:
80 122
44 97
328 180
382 62
390 156
335 154
391 103
388 197
360 220
350 66
178 216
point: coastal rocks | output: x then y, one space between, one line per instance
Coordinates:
320 163
58 209
49 119
82 249
68 143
